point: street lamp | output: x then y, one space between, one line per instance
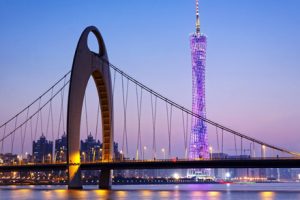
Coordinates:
210 152
49 155
19 159
100 154
83 154
227 175
263 151
164 152
62 155
121 152
144 149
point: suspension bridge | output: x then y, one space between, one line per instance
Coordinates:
50 116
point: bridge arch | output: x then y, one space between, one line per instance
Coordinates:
88 64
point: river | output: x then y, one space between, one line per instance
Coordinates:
265 191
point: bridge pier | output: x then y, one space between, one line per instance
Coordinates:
105 179
74 177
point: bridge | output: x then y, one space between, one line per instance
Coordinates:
37 119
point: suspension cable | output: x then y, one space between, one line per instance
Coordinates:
254 154
169 123
97 121
13 135
139 108
62 107
41 116
153 112
218 144
222 141
125 99
31 129
37 120
235 146
241 146
185 132
35 113
86 118
43 94
2 144
114 84
197 115
61 114
23 134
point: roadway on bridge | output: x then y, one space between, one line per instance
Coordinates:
162 164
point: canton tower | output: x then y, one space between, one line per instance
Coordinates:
198 147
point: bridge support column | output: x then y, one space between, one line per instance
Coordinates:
74 177
105 179
88 64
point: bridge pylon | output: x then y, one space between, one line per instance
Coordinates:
86 64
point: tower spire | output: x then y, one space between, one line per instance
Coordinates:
197 17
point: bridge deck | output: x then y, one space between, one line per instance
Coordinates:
163 164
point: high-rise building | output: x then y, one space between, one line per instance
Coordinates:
91 150
198 139
61 149
42 150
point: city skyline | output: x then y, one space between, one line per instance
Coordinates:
256 108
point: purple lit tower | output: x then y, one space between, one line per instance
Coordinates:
198 139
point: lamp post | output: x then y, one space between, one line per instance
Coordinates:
210 152
83 154
100 154
19 159
164 152
144 149
121 152
49 157
263 151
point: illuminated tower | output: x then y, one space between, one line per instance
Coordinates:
198 139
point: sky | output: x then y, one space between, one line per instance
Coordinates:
252 74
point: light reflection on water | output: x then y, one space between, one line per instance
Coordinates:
267 195
284 191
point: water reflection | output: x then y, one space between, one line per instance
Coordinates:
146 193
267 195
214 195
164 194
185 192
121 194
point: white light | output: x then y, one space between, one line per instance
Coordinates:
227 175
176 176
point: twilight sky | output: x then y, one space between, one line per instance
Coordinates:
252 79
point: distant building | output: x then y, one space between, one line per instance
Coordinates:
91 150
285 174
42 150
9 158
61 149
